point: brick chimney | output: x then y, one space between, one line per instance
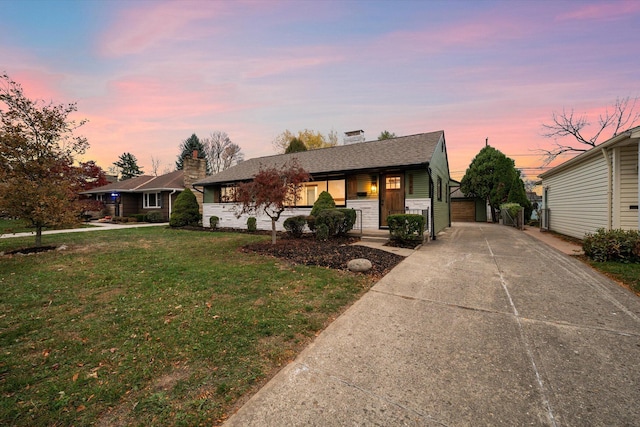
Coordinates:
194 169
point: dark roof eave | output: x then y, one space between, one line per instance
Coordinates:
377 169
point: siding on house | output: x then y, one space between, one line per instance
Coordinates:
577 199
416 184
440 168
628 184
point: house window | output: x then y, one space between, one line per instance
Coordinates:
439 189
100 198
311 190
152 200
393 183
410 183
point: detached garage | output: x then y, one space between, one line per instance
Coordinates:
467 209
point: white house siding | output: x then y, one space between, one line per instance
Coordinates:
577 198
228 219
628 181
368 211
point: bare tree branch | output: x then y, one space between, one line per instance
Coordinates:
567 124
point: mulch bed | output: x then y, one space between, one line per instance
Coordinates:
334 253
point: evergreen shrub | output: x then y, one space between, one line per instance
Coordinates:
295 225
185 210
406 227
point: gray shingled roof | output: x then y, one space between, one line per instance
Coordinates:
167 182
397 152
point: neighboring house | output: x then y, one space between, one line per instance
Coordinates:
377 178
597 189
145 194
465 208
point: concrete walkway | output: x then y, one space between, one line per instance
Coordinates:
98 226
484 326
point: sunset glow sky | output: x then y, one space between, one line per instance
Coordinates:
148 74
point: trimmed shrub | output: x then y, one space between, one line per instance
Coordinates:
333 219
322 232
252 224
295 225
512 208
348 222
185 210
133 218
613 245
324 201
213 222
154 217
406 227
140 217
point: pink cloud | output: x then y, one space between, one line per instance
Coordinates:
154 23
602 11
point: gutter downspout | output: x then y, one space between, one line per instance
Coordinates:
432 231
170 194
609 185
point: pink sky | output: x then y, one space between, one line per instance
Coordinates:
149 74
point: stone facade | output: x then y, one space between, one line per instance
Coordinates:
195 169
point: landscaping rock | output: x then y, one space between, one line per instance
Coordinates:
359 265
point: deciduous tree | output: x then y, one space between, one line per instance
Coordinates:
311 139
127 164
38 181
220 152
271 192
618 117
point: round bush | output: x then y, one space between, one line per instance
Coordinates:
185 210
252 224
213 222
295 225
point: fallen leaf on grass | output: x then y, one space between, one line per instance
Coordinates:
75 377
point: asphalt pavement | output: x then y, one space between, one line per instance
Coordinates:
483 326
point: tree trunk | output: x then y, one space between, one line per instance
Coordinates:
38 235
273 231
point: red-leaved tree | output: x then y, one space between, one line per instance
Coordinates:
272 191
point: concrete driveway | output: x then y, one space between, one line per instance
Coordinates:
484 326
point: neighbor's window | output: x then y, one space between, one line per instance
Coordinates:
152 200
228 194
439 189
100 197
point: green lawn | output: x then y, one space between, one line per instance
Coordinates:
151 326
629 274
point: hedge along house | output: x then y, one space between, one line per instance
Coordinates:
596 189
408 174
145 194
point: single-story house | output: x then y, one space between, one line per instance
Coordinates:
596 189
145 194
376 178
465 208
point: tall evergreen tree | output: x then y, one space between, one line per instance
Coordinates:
295 146
128 166
490 176
186 150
